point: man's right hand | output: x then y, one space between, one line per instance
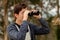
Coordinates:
25 15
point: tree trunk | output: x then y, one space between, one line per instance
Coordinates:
5 19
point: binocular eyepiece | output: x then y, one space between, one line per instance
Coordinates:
33 13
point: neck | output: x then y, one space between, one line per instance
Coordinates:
18 22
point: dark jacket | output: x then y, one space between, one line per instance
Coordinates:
14 34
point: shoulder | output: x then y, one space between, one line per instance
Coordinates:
11 26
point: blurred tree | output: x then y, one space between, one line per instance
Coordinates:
5 2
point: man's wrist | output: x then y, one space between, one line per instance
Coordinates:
25 22
25 19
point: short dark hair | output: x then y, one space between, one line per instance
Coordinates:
19 7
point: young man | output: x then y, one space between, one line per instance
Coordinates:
21 29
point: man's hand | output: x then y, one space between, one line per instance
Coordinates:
25 17
37 16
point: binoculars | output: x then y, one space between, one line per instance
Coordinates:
33 13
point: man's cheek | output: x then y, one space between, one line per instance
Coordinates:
20 17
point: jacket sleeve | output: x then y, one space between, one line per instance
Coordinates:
43 29
18 35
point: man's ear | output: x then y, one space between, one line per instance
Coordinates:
16 15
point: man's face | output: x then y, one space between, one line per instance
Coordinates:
20 15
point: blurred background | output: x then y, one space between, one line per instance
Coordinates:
50 10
